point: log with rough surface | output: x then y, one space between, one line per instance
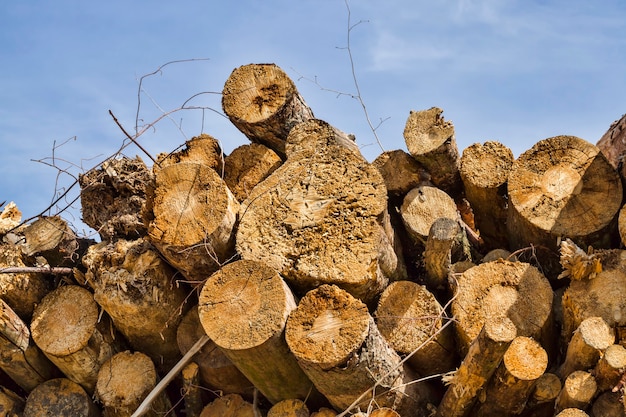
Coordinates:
11 404
541 401
572 412
314 134
431 141
192 390
608 404
52 238
60 397
248 165
445 245
401 172
289 408
613 142
202 149
422 206
263 103
578 390
191 215
230 405
243 308
584 349
610 368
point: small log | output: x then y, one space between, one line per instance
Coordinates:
264 104
515 290
52 238
339 347
123 383
231 405
431 141
289 408
541 402
202 149
60 397
217 372
613 143
414 323
401 172
313 134
572 412
480 362
248 165
563 186
79 343
588 342
11 404
621 224
113 197
136 287
379 412
192 393
608 405
484 169
191 214
578 390
510 387
10 218
610 368
422 206
247 293
324 412
496 254
445 245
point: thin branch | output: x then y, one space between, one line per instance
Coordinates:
131 138
53 270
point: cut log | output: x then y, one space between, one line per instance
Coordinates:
496 254
136 287
446 244
231 405
621 224
192 390
613 142
313 134
264 104
339 347
289 408
578 390
484 169
563 187
314 226
546 390
572 412
414 323
256 302
578 264
79 343
422 206
608 405
610 368
515 290
202 149
11 404
380 412
247 166
401 172
324 412
113 197
217 372
510 387
430 140
123 383
191 215
592 337
10 218
60 397
481 361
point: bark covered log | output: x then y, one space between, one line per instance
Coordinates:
584 349
541 402
11 404
248 165
192 390
264 104
446 244
610 368
60 397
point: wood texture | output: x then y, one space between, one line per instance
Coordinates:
587 344
422 206
231 405
202 149
610 368
578 390
248 165
401 172
60 397
289 408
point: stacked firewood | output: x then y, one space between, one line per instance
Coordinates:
294 278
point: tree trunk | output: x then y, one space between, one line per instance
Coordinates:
508 390
411 320
217 372
541 402
578 390
231 405
401 172
137 289
339 347
11 404
446 244
515 290
572 412
191 215
81 342
192 390
430 140
315 227
60 397
422 206
313 134
592 337
613 142
264 104
289 408
608 405
610 368
123 383
482 358
563 187
247 166
484 170
203 149
243 308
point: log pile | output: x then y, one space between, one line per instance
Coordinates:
292 277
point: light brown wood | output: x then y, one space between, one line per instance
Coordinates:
578 264
10 218
485 169
248 165
52 238
592 337
11 404
313 134
578 390
201 149
243 308
572 412
60 397
68 329
431 141
547 388
621 224
324 412
422 206
230 405
446 244
608 404
414 323
610 368
137 288
264 104
481 361
613 143
289 408
191 217
401 172
192 390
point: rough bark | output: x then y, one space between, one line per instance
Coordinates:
248 165
289 408
584 349
113 197
60 397
510 387
484 169
191 216
541 402
124 381
613 142
264 104
608 405
401 172
412 321
136 287
11 404
80 343
572 412
578 390
243 308
314 226
324 412
202 149
422 206
515 290
217 372
621 224
192 390
10 218
309 136
610 368
446 244
231 405
480 362
431 141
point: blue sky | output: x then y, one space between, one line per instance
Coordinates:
513 71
